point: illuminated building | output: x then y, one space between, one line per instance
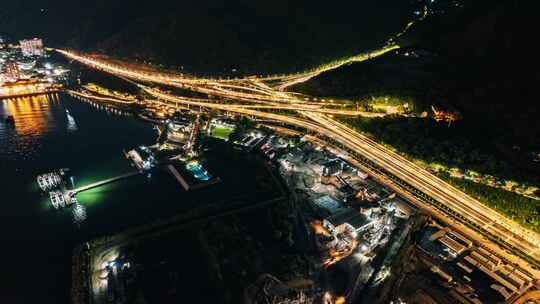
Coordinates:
446 116
142 157
12 72
32 47
181 132
332 168
26 65
26 87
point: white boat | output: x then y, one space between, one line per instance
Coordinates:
54 200
57 199
49 181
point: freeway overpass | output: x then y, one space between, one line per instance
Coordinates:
523 239
485 218
280 82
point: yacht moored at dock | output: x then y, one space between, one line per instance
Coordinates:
52 180
57 199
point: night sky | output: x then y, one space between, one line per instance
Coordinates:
215 35
60 20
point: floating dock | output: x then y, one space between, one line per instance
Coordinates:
60 196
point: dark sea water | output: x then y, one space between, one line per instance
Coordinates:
37 240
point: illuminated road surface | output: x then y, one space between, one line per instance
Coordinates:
255 91
491 221
281 81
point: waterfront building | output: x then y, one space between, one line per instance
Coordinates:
142 157
26 65
11 71
32 47
181 132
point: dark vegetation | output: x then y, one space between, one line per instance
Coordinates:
476 60
245 245
214 36
243 125
389 75
525 211
463 144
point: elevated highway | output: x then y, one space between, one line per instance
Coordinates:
489 220
255 90
279 82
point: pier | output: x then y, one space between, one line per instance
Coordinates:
61 196
102 182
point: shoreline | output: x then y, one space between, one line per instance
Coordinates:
6 97
87 253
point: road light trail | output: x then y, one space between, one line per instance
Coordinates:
335 65
231 107
283 81
435 187
394 165
497 225
400 167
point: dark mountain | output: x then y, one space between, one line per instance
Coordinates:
214 35
478 60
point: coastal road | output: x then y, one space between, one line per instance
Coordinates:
254 90
491 221
428 183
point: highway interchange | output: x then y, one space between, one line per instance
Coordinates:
251 95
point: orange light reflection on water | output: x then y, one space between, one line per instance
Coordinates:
28 121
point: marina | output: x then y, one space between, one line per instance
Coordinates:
93 154
61 195
49 181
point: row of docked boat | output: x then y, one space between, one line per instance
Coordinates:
49 181
57 199
52 180
54 184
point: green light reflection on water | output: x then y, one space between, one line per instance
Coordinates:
45 203
91 197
